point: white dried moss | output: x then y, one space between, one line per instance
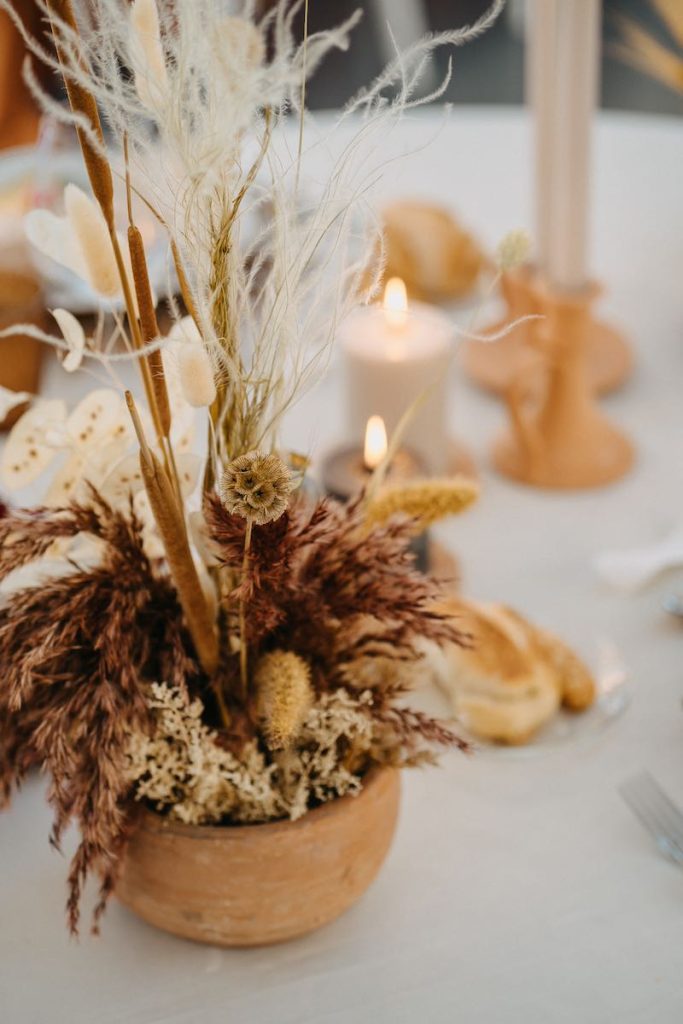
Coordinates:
182 770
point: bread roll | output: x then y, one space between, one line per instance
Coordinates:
513 678
426 247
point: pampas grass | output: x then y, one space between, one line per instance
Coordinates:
207 146
149 65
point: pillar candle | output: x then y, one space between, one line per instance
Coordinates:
394 353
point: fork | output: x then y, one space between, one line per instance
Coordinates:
657 813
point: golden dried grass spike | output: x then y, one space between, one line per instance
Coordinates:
424 501
284 696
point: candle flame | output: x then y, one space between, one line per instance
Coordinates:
375 442
395 302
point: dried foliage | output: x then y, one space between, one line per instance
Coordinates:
77 651
181 768
316 583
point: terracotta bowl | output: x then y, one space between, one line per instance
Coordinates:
250 885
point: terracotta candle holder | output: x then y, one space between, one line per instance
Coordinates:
609 360
560 438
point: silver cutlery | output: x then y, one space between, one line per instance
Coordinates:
658 814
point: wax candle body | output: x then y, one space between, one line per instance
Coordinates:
388 366
563 75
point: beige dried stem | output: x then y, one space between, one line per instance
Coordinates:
171 528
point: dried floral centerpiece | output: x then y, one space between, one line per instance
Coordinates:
202 661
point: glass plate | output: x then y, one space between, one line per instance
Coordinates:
566 727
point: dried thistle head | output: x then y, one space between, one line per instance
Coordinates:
257 487
284 696
423 501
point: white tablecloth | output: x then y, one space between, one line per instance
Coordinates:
516 890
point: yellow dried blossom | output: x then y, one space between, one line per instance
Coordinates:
257 487
424 501
284 696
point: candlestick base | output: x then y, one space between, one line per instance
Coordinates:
558 437
597 456
494 366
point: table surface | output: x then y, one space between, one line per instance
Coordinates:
516 890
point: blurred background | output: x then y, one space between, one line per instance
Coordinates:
490 70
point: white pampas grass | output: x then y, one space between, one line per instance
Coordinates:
149 66
209 148
90 229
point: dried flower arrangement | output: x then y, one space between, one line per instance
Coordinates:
240 654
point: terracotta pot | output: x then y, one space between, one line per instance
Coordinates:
20 356
250 885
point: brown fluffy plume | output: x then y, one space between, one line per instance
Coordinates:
318 585
76 652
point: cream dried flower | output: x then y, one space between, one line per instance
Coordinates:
73 335
90 229
513 249
424 501
284 696
257 487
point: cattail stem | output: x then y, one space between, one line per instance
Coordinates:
83 102
173 534
244 653
149 326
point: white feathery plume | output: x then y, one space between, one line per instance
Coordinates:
210 150
149 66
